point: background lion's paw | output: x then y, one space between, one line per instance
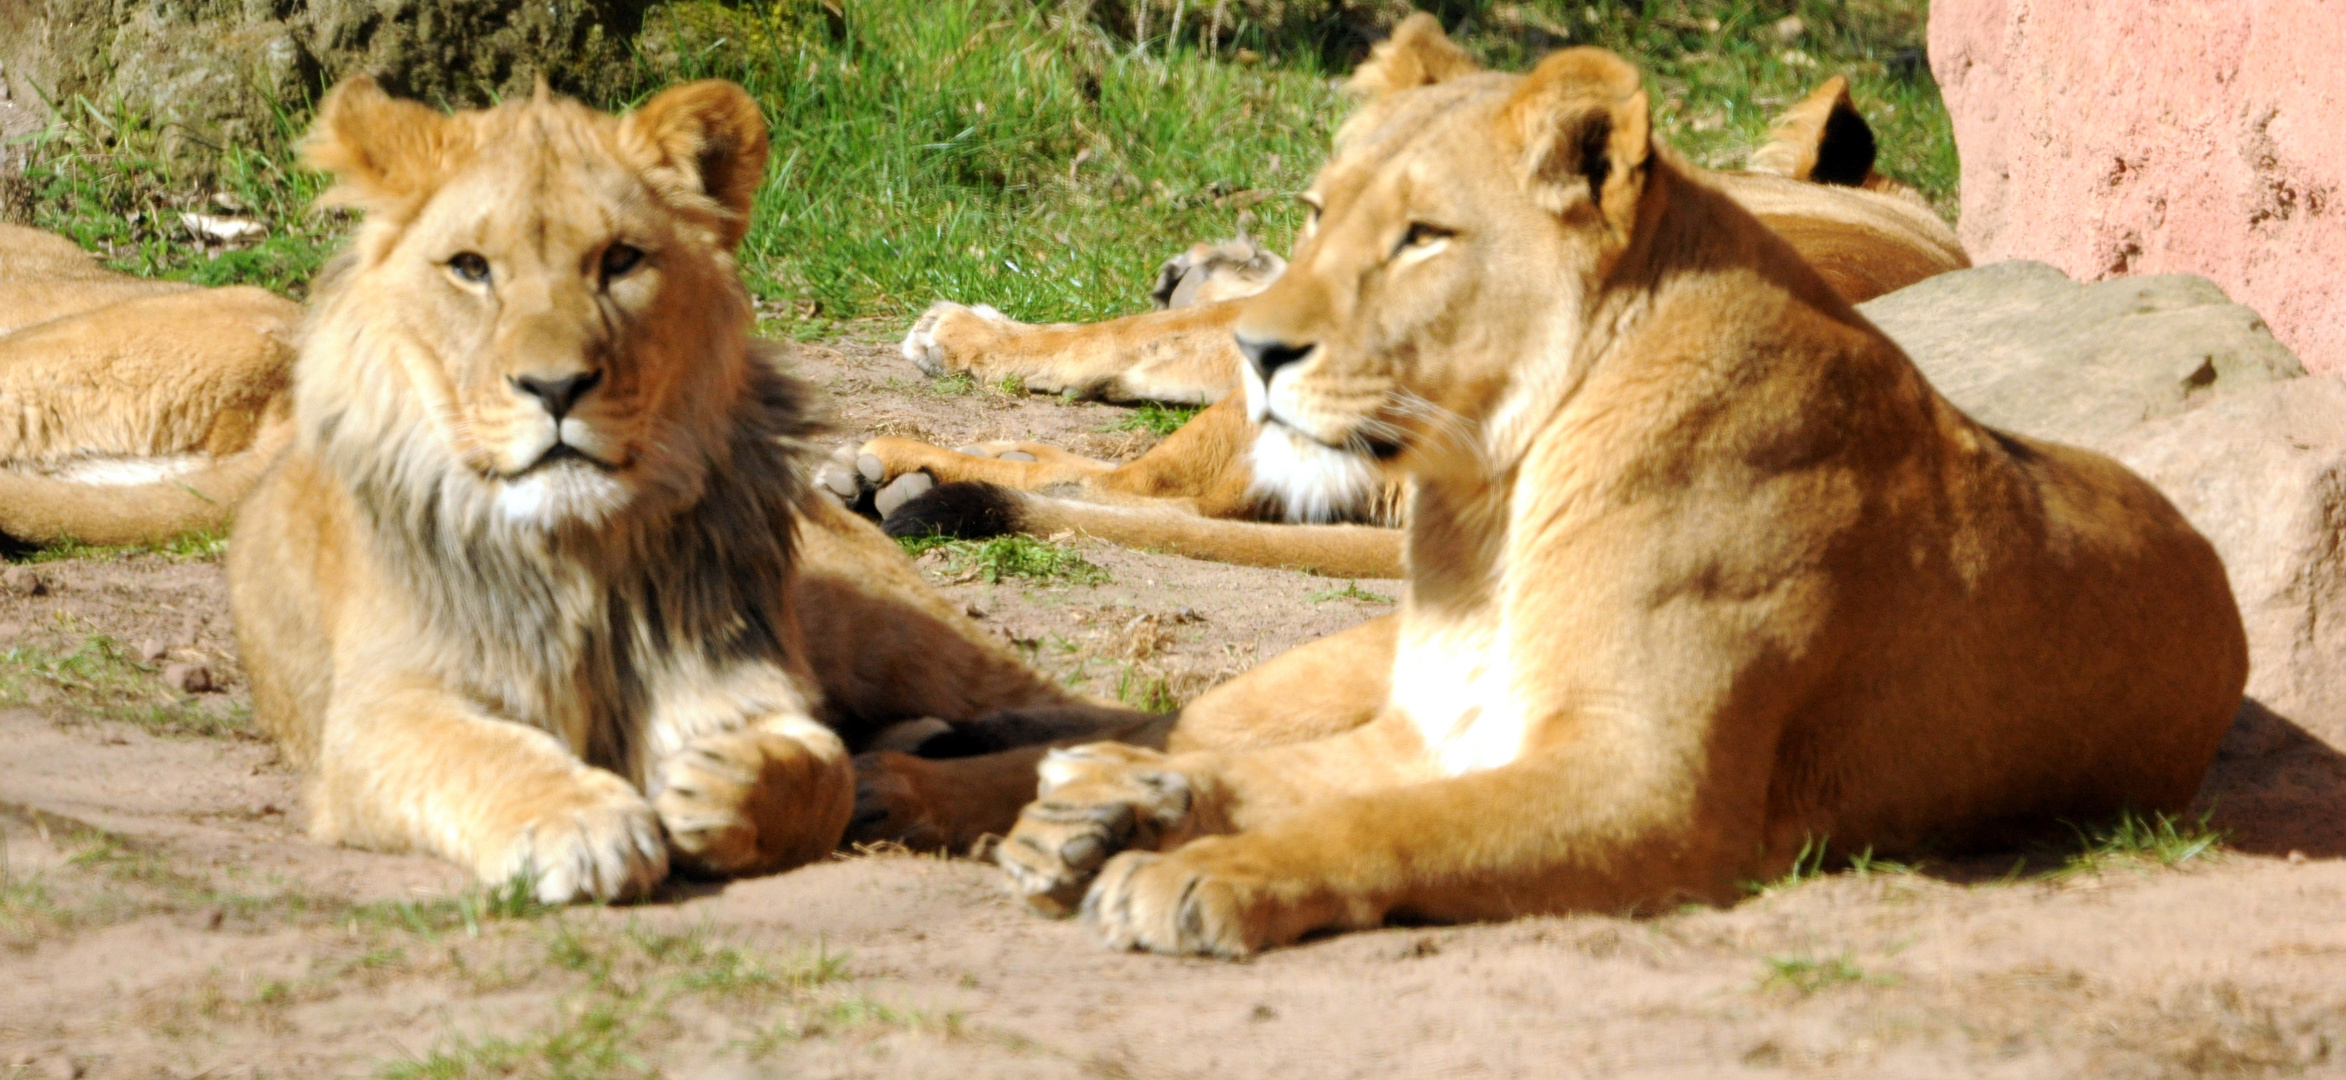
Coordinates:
599 842
1094 802
841 477
948 336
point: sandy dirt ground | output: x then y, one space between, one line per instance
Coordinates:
163 915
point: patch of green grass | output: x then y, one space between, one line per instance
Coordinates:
629 978
101 178
201 544
1152 417
1806 975
1350 591
1006 152
1009 557
467 912
99 678
2132 839
1146 692
1807 865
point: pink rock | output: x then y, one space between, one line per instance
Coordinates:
2113 137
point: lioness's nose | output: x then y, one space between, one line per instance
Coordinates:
558 394
1269 356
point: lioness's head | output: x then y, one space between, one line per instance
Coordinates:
1455 234
539 323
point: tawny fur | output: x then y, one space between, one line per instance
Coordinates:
1701 571
89 449
1866 237
575 641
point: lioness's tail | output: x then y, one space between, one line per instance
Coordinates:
972 511
37 508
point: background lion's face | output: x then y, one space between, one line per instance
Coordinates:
551 294
1458 229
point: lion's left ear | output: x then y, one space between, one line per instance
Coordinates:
1418 54
703 139
1582 122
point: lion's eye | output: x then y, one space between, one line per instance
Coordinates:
1421 234
618 259
470 266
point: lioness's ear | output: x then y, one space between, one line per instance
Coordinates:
1583 126
386 155
703 139
1418 54
1824 138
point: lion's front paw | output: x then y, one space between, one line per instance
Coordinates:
595 840
948 337
841 477
1188 902
750 801
1094 801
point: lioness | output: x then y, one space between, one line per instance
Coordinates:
537 587
1813 182
1701 570
130 410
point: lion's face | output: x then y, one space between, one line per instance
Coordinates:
1458 230
545 291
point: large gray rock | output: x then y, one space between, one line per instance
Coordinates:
2192 392
2020 346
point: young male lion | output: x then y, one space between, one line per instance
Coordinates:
537 587
1701 569
1813 183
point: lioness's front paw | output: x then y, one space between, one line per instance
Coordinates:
1192 901
948 336
749 801
1093 802
599 840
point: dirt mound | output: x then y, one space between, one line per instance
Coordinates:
161 913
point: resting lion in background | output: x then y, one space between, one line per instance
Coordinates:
130 410
537 586
1701 571
1196 493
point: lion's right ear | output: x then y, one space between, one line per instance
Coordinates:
1585 133
386 155
1418 54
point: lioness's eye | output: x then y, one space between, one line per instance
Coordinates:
619 259
470 266
1421 233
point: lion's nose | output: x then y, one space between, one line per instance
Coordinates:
1269 356
558 394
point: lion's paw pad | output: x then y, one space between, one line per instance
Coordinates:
903 489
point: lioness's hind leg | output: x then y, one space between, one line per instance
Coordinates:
756 801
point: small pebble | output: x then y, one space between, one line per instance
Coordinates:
152 650
188 678
975 612
2296 856
24 581
64 1068
1789 28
